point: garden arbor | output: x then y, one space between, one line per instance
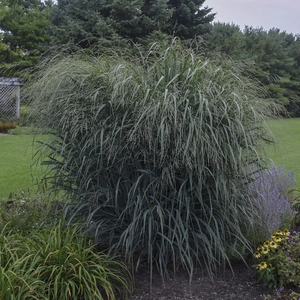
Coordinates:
10 97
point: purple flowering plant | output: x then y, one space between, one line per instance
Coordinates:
272 191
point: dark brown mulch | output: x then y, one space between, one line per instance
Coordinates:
225 286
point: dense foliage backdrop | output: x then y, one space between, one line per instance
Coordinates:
23 35
29 28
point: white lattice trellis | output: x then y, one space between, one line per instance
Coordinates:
10 97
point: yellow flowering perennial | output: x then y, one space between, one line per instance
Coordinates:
277 238
265 250
262 265
257 254
267 246
286 232
273 244
259 249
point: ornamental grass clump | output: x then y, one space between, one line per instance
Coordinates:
155 151
58 263
278 260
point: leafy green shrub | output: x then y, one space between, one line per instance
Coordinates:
4 127
58 263
155 151
24 131
278 260
27 116
25 112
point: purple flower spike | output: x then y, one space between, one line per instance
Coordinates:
270 190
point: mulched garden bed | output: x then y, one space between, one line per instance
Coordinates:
242 285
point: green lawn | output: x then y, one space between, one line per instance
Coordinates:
286 152
16 174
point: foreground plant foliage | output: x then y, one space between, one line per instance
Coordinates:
58 263
155 151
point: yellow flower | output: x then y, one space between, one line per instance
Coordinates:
262 266
286 232
279 232
266 243
265 250
273 244
257 254
277 238
259 248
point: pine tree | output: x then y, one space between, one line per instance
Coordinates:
189 19
85 23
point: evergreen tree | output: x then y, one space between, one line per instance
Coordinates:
85 23
276 68
227 39
189 19
81 23
275 55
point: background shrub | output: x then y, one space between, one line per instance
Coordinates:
4 127
27 117
24 130
155 151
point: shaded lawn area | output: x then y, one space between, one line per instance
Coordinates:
286 151
16 153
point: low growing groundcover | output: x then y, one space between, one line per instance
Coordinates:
16 173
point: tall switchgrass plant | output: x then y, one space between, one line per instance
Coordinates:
155 151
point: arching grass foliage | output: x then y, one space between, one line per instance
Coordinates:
155 151
58 262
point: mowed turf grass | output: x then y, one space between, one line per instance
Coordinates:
286 151
16 173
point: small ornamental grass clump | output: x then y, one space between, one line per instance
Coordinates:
278 259
58 263
41 258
